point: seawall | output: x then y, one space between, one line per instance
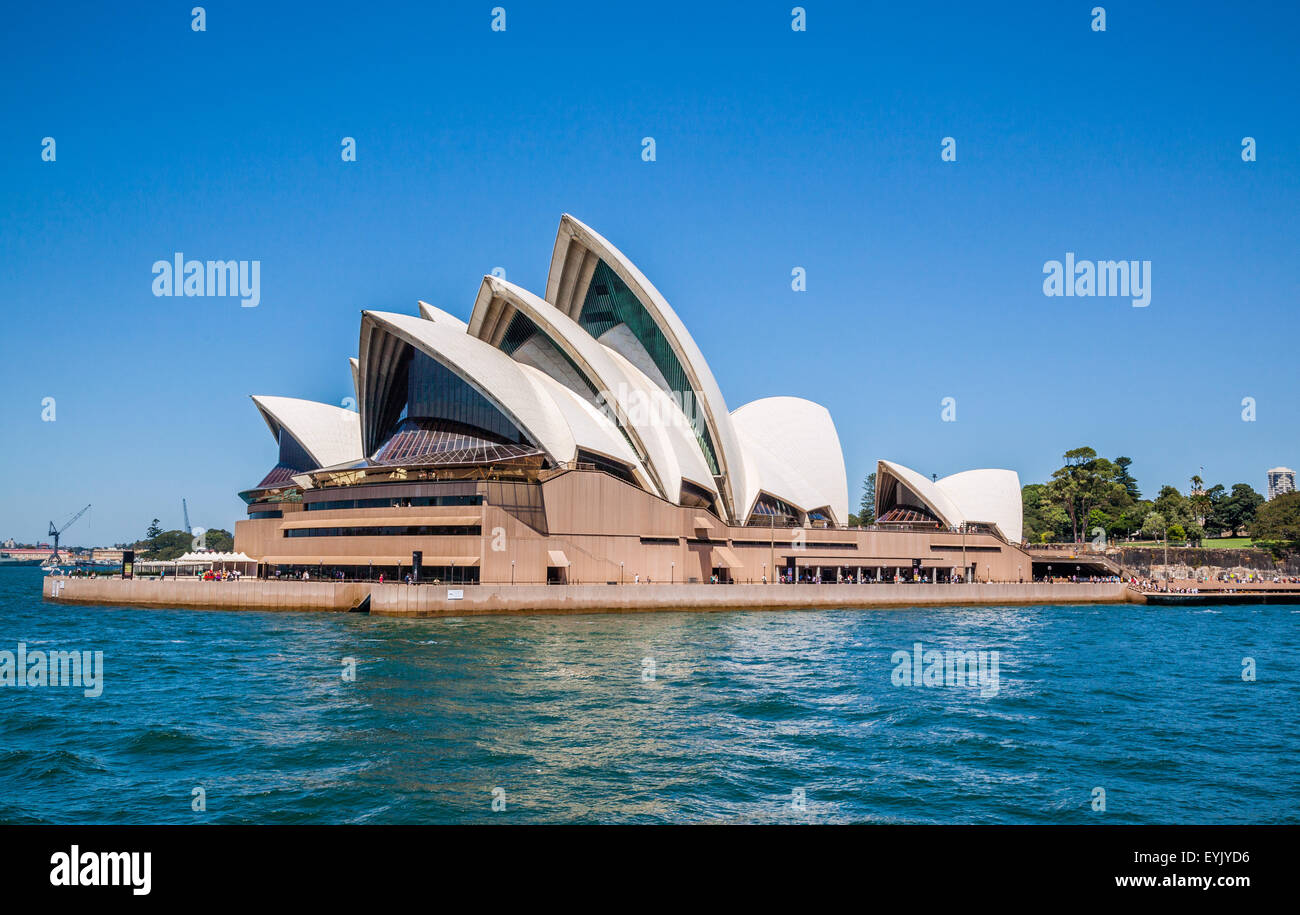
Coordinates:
401 600
1149 562
248 594
428 600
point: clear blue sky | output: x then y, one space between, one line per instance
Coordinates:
775 149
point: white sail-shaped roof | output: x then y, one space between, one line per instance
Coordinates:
972 496
792 452
621 340
494 375
551 415
920 487
329 434
592 430
666 445
578 250
625 383
988 496
665 429
430 313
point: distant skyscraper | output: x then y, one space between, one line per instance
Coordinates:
1280 480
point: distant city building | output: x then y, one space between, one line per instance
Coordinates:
26 552
1280 480
105 554
10 543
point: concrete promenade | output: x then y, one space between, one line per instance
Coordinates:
396 599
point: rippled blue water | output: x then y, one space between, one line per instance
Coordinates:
746 709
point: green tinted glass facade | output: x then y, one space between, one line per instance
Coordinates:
522 329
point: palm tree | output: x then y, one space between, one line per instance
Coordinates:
1200 501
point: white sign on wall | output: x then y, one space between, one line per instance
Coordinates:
455 594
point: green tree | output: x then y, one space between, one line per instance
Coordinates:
1212 504
1154 525
867 507
219 540
174 544
1084 482
1131 518
1199 500
1237 510
154 530
1044 519
1125 479
1279 519
1176 532
1173 505
1098 520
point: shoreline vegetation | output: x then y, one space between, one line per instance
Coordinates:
1097 502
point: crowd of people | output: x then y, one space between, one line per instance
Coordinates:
1078 579
1192 585
1255 578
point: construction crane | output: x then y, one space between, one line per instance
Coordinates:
186 510
55 532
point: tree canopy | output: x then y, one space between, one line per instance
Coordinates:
160 544
867 507
1089 492
1279 519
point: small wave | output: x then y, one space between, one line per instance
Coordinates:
48 765
163 740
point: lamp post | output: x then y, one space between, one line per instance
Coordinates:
512 571
1166 556
772 545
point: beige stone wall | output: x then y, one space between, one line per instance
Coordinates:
599 523
428 600
435 600
247 594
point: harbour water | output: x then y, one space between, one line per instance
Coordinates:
769 717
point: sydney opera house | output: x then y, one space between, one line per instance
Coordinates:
582 438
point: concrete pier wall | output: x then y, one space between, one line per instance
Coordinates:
248 594
441 600
428 600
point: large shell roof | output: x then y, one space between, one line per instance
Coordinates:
637 391
985 496
330 434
